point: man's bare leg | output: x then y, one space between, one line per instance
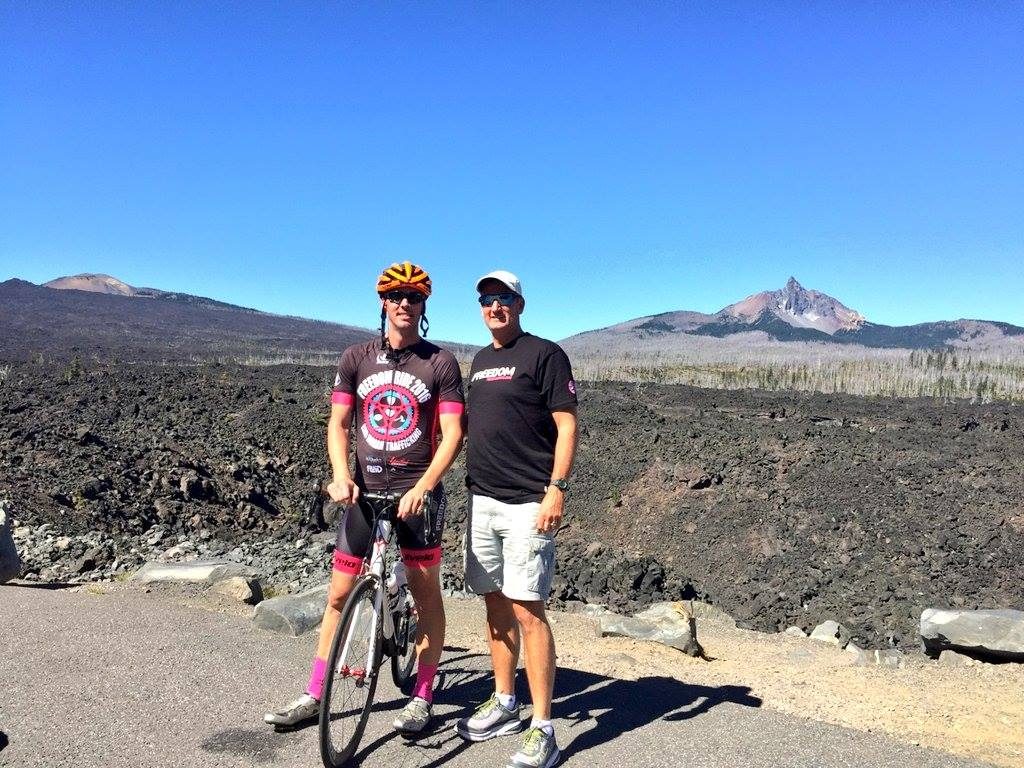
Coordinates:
307 705
503 638
539 647
425 585
337 594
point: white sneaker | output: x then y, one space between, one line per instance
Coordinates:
414 717
303 708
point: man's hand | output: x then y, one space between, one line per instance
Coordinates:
343 491
551 507
411 502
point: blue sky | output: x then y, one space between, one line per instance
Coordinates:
624 159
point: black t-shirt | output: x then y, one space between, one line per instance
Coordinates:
512 392
396 403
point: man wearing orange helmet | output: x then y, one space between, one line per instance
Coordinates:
398 391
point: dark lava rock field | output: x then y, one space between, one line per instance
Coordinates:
779 508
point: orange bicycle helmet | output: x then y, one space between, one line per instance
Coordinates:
404 275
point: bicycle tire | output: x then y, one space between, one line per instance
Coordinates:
348 696
403 660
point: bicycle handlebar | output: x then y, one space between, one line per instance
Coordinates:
393 498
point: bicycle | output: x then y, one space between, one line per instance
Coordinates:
366 633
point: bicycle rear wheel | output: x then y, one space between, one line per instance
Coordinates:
406 626
349 685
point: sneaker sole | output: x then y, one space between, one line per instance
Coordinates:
507 729
550 762
410 731
293 723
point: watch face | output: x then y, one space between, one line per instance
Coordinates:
561 485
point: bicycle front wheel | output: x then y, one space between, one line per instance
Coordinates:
351 677
406 627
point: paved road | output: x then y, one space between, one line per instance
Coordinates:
129 679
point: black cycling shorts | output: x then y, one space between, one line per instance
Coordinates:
420 548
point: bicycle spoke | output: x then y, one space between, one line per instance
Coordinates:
349 689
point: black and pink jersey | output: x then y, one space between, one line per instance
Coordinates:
397 402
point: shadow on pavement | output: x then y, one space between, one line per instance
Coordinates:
613 707
616 707
4 741
592 709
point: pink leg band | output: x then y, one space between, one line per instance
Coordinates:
421 558
347 563
425 682
316 678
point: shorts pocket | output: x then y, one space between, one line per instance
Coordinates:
541 565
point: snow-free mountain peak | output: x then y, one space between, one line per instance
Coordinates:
795 306
94 283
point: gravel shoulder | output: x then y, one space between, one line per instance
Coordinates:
972 711
109 675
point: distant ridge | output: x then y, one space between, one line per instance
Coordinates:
102 317
790 314
111 286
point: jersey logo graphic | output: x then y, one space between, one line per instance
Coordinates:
390 413
382 358
502 373
572 386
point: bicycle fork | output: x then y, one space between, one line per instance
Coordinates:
381 610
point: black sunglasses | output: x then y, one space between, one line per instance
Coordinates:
413 297
505 299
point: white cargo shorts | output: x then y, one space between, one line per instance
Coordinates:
505 552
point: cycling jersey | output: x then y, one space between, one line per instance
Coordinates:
397 401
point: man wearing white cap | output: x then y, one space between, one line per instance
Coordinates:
522 440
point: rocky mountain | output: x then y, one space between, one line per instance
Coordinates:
97 316
795 306
101 317
792 313
99 284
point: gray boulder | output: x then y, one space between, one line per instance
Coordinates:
996 633
245 590
292 614
666 623
10 563
831 632
196 572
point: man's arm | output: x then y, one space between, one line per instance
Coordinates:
342 487
553 504
444 457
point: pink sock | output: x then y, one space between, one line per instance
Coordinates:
316 678
425 682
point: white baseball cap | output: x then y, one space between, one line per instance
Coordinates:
503 276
